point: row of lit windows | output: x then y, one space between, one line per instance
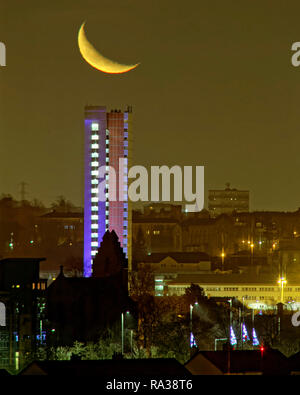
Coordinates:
41 286
155 232
231 289
94 189
95 127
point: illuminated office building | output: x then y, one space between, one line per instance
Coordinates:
107 136
227 201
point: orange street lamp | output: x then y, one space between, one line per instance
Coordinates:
223 256
281 283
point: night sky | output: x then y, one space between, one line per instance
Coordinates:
215 87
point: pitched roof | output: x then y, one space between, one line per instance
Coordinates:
294 362
4 372
180 257
112 367
242 361
62 214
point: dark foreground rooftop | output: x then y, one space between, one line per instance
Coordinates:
112 367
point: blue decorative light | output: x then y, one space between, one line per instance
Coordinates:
245 333
233 341
255 340
192 341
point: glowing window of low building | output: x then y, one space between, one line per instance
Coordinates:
95 126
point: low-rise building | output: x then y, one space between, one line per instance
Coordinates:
22 305
167 266
227 200
261 292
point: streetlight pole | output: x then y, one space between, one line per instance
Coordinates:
191 319
252 253
223 256
281 282
230 317
122 331
253 328
131 340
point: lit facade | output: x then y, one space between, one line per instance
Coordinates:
227 200
107 137
257 293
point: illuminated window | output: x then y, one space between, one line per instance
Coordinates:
94 181
95 137
95 164
94 226
95 146
95 126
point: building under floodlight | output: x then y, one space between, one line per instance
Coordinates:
107 144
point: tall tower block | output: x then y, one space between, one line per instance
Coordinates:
107 144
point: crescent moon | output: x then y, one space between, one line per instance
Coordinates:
98 61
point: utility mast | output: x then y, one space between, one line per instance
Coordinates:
23 191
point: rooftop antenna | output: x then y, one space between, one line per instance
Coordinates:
23 190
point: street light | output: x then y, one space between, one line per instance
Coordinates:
230 315
191 317
131 340
252 248
191 309
281 283
122 330
223 256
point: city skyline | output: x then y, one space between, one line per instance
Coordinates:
189 110
219 79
